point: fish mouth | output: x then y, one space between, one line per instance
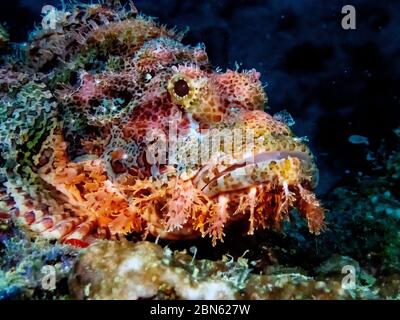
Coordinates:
221 178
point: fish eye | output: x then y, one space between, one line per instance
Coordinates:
184 91
181 88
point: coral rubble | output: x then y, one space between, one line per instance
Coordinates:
144 270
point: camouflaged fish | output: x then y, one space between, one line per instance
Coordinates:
106 123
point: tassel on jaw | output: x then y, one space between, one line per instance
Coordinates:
218 220
311 209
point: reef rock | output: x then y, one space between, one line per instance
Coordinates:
144 270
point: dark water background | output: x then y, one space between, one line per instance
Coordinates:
334 82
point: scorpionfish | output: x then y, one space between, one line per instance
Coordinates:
111 126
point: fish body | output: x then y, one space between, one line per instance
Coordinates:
110 125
